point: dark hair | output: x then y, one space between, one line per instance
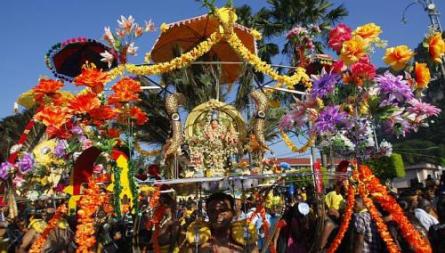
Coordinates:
424 204
221 196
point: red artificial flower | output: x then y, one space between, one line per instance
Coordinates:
361 71
54 116
101 114
93 78
338 35
137 114
113 133
126 90
62 132
84 103
338 67
46 87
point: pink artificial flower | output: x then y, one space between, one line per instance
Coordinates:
422 109
86 144
296 31
338 35
18 181
98 169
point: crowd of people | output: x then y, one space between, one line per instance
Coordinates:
296 223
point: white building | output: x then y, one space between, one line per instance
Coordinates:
418 173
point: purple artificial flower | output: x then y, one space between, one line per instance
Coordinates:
26 163
422 109
5 167
397 124
296 117
286 122
393 89
77 130
329 119
60 149
324 84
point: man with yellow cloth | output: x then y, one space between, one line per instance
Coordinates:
220 208
334 202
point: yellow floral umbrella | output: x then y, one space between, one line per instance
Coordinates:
26 99
186 34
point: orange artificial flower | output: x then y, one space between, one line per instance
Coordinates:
417 242
398 57
53 116
370 31
353 50
92 77
46 87
102 113
62 98
89 204
126 90
436 46
137 114
422 75
345 221
84 103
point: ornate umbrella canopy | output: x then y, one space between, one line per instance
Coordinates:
186 34
66 59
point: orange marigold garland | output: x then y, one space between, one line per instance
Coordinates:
381 195
38 245
380 223
345 221
88 206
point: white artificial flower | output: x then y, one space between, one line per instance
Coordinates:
126 24
149 26
131 50
32 195
76 155
107 57
373 91
386 148
108 36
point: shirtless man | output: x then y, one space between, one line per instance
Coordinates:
220 209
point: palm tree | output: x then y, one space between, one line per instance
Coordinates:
12 127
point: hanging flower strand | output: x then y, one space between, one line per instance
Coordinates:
345 221
381 195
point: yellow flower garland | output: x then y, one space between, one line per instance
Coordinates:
293 147
262 66
176 63
205 46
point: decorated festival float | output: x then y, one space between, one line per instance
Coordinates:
86 162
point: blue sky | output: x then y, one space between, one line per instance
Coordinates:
30 28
